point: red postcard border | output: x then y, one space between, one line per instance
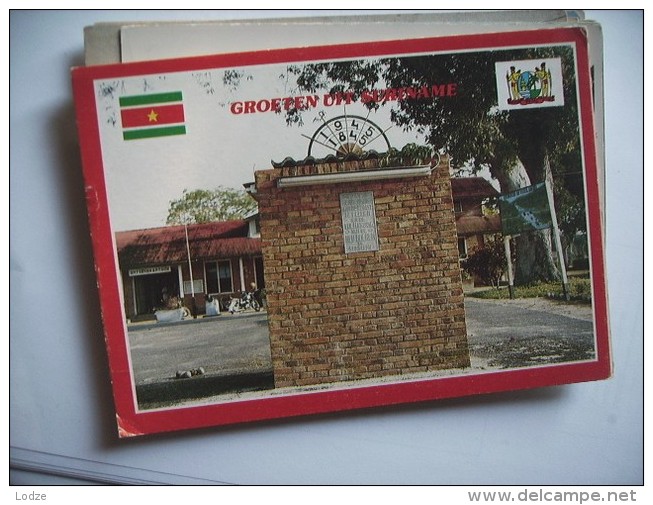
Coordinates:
132 422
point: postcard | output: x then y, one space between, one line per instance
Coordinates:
320 229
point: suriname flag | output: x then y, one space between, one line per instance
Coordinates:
154 115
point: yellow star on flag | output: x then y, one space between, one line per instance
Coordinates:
152 116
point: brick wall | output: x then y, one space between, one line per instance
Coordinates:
339 317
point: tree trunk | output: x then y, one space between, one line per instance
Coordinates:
534 259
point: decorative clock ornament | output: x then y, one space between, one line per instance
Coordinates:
347 134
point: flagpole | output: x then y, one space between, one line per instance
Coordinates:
511 278
556 230
190 270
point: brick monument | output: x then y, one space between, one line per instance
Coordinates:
361 268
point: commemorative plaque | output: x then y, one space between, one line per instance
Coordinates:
359 222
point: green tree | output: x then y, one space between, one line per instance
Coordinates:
202 205
516 146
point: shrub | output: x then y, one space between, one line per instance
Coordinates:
488 262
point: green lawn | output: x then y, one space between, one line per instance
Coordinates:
579 287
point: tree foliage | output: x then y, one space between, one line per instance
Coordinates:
469 127
516 146
410 154
202 205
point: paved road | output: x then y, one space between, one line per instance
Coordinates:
502 334
506 334
225 344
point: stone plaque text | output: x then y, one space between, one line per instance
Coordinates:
359 222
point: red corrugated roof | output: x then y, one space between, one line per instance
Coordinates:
471 186
155 246
470 225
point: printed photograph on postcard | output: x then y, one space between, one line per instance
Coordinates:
299 231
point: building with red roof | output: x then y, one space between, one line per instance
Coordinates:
475 219
226 257
154 264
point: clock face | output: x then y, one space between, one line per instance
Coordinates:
347 134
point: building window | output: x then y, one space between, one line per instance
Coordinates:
462 248
254 227
218 277
198 286
457 206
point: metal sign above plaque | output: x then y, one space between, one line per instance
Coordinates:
359 222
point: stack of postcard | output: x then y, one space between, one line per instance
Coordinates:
301 216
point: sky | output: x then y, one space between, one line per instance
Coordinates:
221 147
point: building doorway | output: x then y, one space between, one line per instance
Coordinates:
152 291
